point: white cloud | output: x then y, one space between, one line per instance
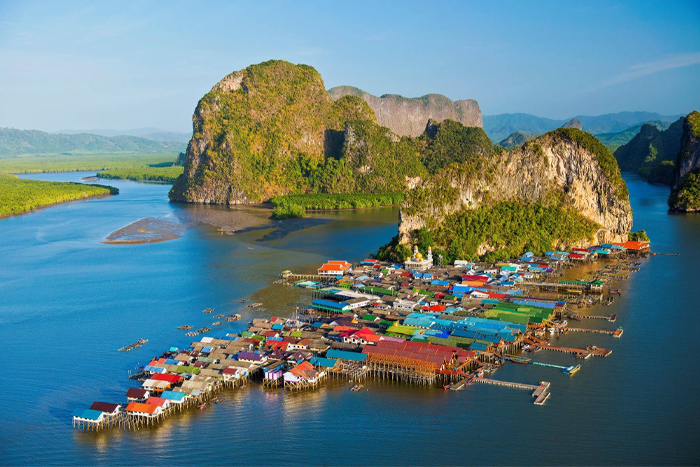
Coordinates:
645 69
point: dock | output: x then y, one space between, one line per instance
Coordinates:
539 392
595 331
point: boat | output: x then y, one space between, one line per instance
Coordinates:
218 316
618 332
572 370
235 317
516 359
217 323
216 401
242 300
203 405
207 310
357 387
186 327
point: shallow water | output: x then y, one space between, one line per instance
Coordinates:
68 302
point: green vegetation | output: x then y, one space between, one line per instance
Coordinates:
510 228
378 160
605 159
20 195
84 162
685 196
639 236
450 142
20 142
296 205
159 174
652 153
273 122
693 120
517 139
393 251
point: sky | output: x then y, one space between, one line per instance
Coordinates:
124 65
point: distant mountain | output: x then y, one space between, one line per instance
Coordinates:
573 123
155 134
615 140
500 126
652 153
17 142
517 139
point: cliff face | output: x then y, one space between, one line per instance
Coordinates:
258 131
408 116
689 154
685 196
564 168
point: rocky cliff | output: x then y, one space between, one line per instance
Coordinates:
566 169
259 133
685 196
689 152
408 116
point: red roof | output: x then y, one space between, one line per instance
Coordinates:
474 277
167 377
159 401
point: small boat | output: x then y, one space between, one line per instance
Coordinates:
207 310
216 401
242 300
356 387
203 405
572 370
217 323
447 386
218 316
186 327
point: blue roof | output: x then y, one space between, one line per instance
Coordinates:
87 414
324 362
173 396
277 327
477 346
345 355
328 303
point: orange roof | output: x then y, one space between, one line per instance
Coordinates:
344 263
331 267
142 408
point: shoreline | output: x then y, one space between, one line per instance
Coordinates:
58 203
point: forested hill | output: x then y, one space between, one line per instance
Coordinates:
17 142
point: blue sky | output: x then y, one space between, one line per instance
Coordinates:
127 65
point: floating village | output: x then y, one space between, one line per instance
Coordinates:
420 323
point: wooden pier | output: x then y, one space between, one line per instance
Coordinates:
596 331
290 276
540 393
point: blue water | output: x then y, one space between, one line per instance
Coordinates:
68 301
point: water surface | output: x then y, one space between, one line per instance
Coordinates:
68 301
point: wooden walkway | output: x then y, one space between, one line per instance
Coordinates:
539 392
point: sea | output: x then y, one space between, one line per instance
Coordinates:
68 301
